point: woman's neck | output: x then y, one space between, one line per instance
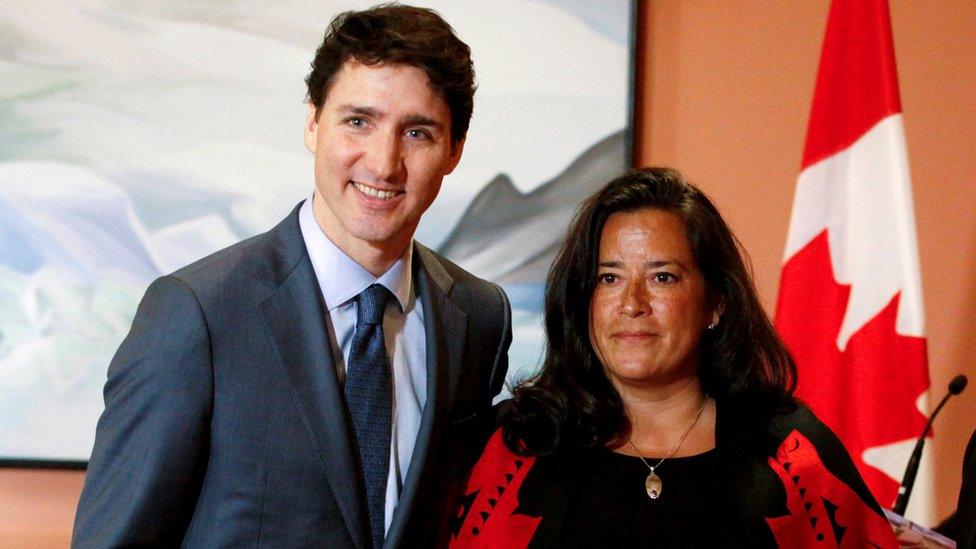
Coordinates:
659 417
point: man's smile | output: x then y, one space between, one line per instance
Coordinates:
374 192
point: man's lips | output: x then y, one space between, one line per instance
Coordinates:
374 192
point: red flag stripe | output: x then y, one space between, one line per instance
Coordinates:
857 83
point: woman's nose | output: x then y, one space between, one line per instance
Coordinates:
634 301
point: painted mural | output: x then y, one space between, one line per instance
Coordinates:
138 137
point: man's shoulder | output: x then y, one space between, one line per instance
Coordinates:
254 262
460 278
484 302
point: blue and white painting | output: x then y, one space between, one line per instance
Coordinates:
136 137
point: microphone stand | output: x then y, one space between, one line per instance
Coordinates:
956 386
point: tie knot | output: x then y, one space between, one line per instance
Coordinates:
372 304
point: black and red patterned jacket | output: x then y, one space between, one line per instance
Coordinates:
792 480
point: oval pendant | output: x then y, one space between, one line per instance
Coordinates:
653 485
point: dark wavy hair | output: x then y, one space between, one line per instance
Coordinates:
571 403
393 33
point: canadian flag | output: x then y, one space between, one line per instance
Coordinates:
850 297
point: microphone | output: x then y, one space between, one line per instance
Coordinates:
956 386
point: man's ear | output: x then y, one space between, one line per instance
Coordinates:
311 127
456 150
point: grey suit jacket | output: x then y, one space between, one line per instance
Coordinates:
225 424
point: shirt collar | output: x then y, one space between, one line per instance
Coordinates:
340 277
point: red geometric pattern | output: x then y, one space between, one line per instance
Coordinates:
834 515
487 517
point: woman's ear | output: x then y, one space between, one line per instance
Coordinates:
717 314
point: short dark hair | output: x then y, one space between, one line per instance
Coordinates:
743 363
398 34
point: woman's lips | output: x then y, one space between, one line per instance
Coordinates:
634 335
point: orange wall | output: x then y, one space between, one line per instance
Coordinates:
727 88
37 507
724 90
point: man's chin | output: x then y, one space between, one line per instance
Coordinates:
379 237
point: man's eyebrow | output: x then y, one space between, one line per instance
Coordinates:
421 120
358 109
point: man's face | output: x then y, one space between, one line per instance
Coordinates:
382 145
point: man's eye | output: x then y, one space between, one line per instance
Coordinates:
417 134
356 122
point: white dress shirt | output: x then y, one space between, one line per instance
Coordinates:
341 279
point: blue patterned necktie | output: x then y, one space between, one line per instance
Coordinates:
369 396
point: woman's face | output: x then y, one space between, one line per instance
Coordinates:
650 306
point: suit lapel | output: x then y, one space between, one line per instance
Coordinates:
295 320
445 326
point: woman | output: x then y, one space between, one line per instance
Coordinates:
663 414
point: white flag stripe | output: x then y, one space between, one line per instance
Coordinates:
862 195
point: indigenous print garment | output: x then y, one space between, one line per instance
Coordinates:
760 487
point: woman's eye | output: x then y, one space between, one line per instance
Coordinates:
664 278
607 278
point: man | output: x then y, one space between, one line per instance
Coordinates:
961 525
323 383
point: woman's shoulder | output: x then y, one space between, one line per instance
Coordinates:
796 417
814 472
792 430
497 455
791 414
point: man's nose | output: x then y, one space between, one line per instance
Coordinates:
384 158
